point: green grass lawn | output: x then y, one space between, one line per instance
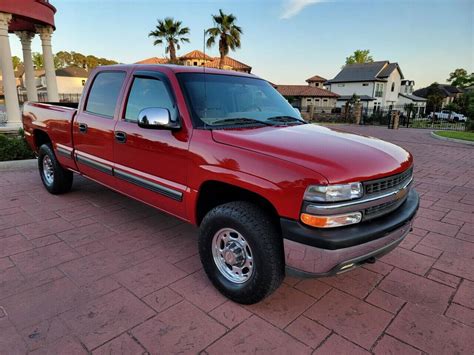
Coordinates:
466 136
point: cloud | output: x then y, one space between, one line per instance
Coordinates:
293 7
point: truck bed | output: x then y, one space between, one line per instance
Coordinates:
56 119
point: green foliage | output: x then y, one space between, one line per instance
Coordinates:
434 98
226 31
460 78
360 56
14 147
64 59
171 33
37 60
16 61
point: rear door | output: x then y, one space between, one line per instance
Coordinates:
151 164
93 128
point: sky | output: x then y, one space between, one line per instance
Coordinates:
285 41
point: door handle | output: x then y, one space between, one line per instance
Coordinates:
82 127
120 136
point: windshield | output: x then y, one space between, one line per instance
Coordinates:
226 100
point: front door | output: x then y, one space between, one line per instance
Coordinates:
93 128
151 164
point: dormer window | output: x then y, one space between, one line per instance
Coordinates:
393 87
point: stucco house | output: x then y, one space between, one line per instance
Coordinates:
304 96
407 97
377 84
317 81
198 58
449 93
70 80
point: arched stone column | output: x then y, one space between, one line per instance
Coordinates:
8 74
45 33
25 38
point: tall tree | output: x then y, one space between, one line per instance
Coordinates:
16 61
78 59
360 56
64 59
37 60
460 78
228 33
434 98
171 33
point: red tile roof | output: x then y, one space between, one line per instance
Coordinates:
316 79
304 91
196 54
228 61
153 60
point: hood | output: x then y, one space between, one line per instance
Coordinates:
338 156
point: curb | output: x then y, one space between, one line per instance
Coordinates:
434 135
18 164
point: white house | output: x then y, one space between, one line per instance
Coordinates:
406 97
71 80
377 84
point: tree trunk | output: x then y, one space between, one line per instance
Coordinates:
172 52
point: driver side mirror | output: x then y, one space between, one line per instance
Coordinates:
156 118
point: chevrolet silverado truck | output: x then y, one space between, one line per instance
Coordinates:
225 151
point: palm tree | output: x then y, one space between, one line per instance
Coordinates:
228 33
170 32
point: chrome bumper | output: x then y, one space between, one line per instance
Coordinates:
306 260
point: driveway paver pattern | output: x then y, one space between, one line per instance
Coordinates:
92 271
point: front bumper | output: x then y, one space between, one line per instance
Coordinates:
324 252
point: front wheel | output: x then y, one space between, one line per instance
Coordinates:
56 179
241 251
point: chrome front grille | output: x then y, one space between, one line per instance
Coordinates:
387 183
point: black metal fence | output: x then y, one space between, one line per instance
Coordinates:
413 117
43 97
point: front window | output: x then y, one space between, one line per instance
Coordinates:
217 100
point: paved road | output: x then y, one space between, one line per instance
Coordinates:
95 271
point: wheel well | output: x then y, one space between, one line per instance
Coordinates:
215 193
41 138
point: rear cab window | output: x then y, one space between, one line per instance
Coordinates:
104 93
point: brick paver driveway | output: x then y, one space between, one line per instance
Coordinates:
94 271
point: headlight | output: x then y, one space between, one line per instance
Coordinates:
331 193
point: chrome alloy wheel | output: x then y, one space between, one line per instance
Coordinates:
48 172
232 255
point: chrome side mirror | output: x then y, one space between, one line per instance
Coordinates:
156 118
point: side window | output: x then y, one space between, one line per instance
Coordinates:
104 93
148 92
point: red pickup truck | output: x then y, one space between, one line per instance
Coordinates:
226 152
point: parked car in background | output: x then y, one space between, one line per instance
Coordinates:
226 152
447 115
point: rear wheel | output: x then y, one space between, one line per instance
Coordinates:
56 179
241 251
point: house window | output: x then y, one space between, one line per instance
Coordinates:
308 100
317 100
195 64
83 82
378 90
325 100
393 87
365 84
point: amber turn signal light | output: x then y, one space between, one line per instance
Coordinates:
331 221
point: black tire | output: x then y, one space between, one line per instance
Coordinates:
61 181
261 235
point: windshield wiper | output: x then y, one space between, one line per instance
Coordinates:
240 120
285 119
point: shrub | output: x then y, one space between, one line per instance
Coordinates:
14 147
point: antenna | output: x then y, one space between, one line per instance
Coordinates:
204 72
